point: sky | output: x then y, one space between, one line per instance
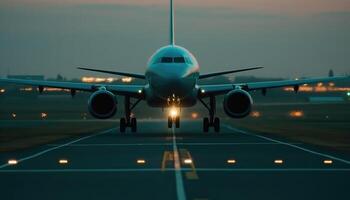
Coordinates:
290 38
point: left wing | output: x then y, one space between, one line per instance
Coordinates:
125 90
208 90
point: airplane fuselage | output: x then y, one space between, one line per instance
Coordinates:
172 74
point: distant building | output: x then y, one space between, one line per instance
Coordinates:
30 77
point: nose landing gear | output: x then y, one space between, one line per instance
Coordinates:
174 118
211 121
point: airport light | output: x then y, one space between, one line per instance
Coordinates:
141 161
126 79
279 162
14 115
328 162
43 115
256 114
188 161
231 161
2 91
296 113
194 115
63 161
12 162
348 94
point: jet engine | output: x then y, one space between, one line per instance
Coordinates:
102 104
237 103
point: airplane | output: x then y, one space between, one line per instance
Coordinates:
171 77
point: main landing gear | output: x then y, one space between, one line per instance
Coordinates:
212 121
173 120
128 121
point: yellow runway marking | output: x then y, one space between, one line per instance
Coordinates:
188 160
167 156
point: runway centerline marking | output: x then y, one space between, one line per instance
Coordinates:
57 147
289 144
180 189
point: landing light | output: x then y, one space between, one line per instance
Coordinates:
348 94
202 91
173 112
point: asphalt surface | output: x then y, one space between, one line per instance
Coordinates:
185 163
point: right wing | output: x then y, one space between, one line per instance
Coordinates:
125 90
218 89
227 72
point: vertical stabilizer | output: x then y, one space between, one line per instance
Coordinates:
172 25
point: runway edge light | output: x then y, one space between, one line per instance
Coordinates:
279 161
12 162
328 162
231 161
63 161
141 161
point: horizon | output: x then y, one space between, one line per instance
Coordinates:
288 39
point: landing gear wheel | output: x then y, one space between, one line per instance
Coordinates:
133 125
170 122
216 124
122 125
205 124
177 122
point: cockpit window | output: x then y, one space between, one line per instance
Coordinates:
179 60
166 60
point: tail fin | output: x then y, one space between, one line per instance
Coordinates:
172 25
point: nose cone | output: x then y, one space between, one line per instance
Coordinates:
168 81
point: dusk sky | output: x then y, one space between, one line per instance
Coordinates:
290 38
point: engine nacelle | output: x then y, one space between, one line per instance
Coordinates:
102 104
237 103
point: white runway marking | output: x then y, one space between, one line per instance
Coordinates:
57 147
178 143
180 189
107 170
289 144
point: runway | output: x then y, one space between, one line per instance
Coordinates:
185 163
